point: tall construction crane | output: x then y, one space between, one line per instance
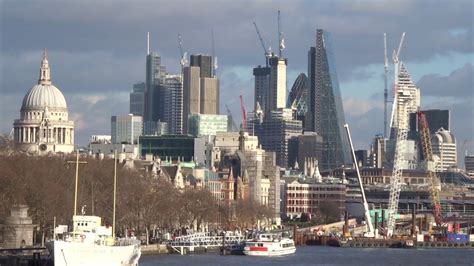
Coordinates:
385 91
399 120
396 63
425 137
281 40
214 57
370 232
262 42
183 60
244 114
229 113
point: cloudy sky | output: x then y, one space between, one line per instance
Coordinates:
97 52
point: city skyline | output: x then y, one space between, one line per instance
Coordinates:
97 75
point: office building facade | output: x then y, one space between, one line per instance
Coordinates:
173 104
126 129
326 114
469 165
298 97
304 148
277 92
275 132
155 77
137 99
204 124
444 147
200 89
262 86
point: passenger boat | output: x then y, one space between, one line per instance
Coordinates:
269 245
90 243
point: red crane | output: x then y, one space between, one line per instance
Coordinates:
244 114
425 138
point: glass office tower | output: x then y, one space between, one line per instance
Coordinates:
326 115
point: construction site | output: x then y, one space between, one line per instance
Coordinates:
436 209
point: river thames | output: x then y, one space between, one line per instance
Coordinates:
322 255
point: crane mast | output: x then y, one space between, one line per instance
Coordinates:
183 60
385 91
398 160
262 42
371 231
229 113
425 138
244 114
396 61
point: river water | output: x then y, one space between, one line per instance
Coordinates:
323 255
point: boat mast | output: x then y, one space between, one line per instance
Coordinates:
77 162
75 186
115 189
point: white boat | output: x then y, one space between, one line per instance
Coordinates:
90 243
269 245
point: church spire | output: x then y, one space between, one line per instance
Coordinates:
45 72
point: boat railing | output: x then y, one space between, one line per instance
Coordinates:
126 241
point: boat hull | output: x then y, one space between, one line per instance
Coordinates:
281 252
72 253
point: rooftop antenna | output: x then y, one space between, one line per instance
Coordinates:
147 43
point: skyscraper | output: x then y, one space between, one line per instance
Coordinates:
326 115
444 147
204 62
277 90
262 85
298 96
126 129
137 99
155 76
200 89
275 132
173 104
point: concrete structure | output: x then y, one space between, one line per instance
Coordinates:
173 104
200 89
203 124
126 129
17 229
137 99
205 64
259 171
444 147
276 130
277 91
101 150
44 125
262 86
378 151
326 114
363 158
307 196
